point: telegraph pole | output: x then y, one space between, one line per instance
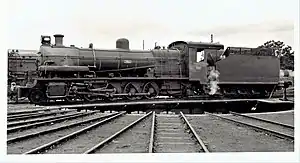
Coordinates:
143 44
211 38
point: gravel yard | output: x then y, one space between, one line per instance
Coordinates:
171 136
87 140
135 140
42 117
28 144
223 136
218 135
286 117
266 125
53 125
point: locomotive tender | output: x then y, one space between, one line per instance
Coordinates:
184 69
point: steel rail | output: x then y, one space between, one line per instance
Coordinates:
199 140
272 132
33 111
48 145
21 115
109 139
31 135
18 103
34 115
40 120
151 142
14 129
264 120
22 112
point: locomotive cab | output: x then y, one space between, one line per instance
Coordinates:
201 56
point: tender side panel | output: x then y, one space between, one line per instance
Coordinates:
249 68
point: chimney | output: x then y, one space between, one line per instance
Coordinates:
143 44
59 40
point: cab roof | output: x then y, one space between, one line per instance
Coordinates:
201 45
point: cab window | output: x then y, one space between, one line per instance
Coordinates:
200 56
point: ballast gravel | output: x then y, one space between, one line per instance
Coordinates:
92 137
53 125
134 140
286 117
224 136
28 144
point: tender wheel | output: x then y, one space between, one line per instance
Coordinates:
37 97
131 90
152 89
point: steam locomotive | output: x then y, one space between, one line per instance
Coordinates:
181 70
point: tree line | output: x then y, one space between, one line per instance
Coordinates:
285 53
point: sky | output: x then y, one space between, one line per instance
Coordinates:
247 23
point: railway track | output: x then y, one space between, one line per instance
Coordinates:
171 134
35 115
18 126
31 111
116 132
271 127
57 118
133 138
86 138
48 125
94 132
24 142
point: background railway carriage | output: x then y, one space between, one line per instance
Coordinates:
21 65
183 69
22 69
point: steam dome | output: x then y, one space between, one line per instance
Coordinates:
122 43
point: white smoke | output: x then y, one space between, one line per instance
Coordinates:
213 79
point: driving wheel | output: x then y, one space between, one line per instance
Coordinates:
152 89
